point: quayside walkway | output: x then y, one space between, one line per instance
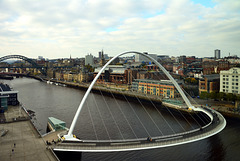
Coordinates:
216 126
29 145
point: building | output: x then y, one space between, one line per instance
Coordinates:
154 75
183 59
230 81
102 60
152 67
163 88
7 97
213 67
113 73
140 58
209 83
89 59
100 55
190 59
217 54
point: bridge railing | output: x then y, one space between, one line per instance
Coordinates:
192 133
131 144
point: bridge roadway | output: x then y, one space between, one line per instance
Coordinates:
211 129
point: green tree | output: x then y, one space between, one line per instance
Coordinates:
213 95
187 80
194 81
204 95
229 96
90 68
238 97
221 95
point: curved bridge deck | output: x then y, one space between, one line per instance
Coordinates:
216 126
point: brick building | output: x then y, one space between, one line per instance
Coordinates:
163 88
214 66
115 74
209 83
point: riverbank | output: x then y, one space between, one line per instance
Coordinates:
119 92
22 141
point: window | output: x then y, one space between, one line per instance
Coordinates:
223 86
232 87
223 75
223 82
223 78
236 79
232 83
236 83
223 90
236 87
227 75
226 82
227 79
236 76
226 86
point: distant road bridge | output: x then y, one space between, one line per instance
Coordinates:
216 124
29 60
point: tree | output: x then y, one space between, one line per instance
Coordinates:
229 96
238 97
204 95
213 95
192 81
221 95
90 68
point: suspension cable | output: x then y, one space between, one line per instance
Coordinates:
119 107
181 112
92 120
168 111
111 114
101 116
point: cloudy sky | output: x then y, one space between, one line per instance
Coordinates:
60 28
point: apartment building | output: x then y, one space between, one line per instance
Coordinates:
230 81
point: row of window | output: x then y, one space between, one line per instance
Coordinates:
233 91
232 83
232 87
232 76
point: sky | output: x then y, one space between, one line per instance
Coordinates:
58 29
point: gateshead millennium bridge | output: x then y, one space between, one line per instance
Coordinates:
215 125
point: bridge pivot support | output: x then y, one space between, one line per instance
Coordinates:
70 138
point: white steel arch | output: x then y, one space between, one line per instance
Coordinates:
69 136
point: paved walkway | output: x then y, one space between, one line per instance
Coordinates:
29 145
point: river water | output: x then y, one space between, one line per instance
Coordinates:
95 122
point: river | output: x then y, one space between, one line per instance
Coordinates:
62 102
